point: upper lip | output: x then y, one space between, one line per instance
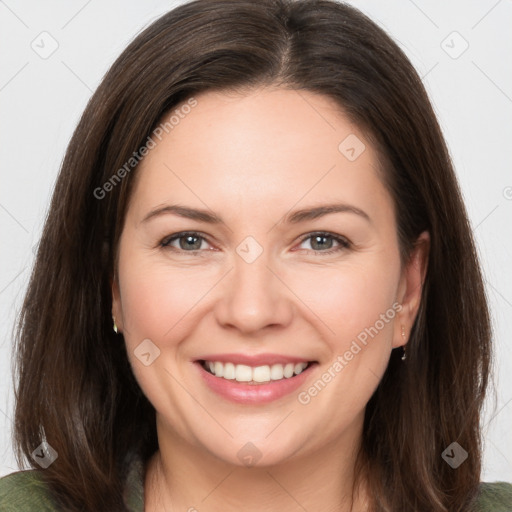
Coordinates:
254 360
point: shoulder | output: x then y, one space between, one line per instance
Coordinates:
25 491
494 497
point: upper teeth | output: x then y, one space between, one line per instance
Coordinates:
244 373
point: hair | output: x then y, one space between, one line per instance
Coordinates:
74 385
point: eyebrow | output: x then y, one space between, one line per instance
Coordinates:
291 218
185 212
320 211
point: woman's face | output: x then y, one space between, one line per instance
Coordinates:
288 256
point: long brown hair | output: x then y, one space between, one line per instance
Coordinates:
74 385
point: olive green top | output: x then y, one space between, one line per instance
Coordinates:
25 491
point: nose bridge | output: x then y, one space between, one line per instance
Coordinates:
253 297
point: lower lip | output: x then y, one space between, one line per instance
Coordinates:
243 393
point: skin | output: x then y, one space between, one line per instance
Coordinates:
252 158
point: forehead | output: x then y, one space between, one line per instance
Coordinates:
268 148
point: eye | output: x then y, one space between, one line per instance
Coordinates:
193 242
188 242
326 243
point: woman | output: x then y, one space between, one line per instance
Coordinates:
257 287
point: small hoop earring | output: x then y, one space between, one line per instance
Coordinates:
115 325
404 355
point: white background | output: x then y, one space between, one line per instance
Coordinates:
42 99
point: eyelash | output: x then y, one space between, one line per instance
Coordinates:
343 242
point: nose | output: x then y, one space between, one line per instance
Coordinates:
254 298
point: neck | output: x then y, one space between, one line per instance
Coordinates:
183 477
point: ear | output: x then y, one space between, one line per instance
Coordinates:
410 288
117 308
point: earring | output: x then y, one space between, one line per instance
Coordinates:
404 355
114 326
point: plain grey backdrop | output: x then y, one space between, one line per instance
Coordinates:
54 54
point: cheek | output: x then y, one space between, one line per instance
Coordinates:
161 303
158 300
356 309
350 299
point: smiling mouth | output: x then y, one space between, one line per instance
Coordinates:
254 375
